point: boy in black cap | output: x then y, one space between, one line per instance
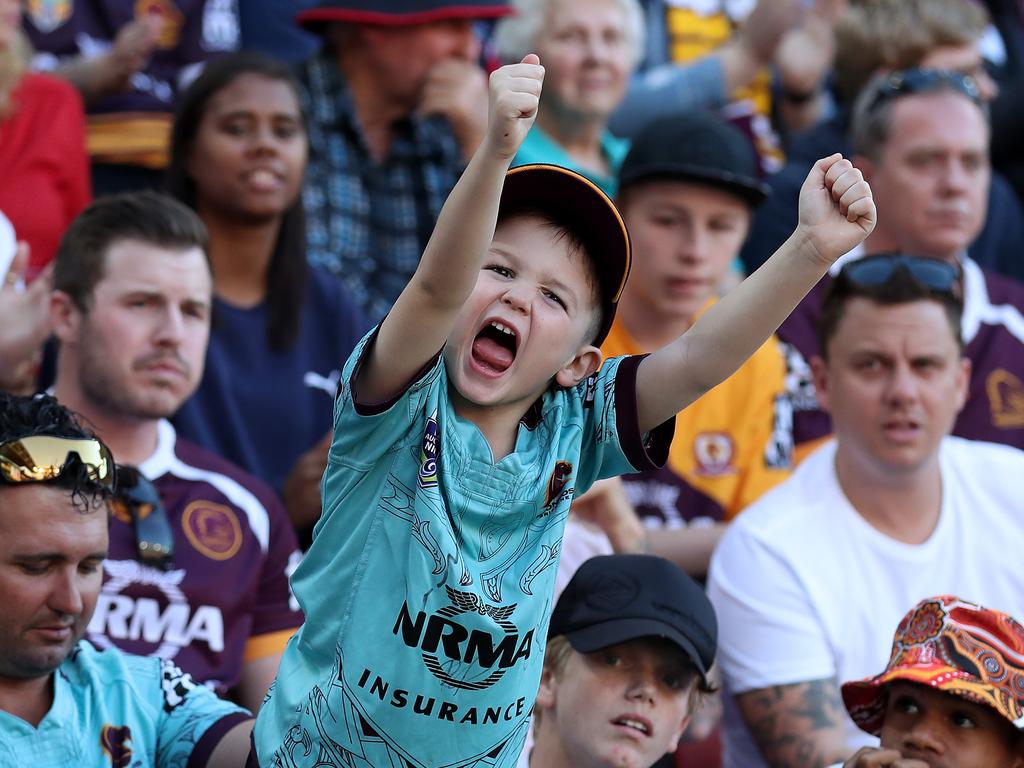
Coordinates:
630 644
464 425
688 189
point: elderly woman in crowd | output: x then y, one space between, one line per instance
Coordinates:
589 49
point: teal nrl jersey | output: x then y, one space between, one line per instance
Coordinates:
428 588
114 710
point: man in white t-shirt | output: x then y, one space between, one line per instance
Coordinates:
809 581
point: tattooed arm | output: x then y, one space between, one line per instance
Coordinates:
799 725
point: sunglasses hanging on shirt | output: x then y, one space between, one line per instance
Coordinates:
139 499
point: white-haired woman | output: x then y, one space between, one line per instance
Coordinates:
589 49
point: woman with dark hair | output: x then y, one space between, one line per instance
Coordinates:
281 329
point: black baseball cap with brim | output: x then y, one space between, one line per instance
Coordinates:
613 599
398 13
695 146
576 203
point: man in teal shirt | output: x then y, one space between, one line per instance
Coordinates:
62 701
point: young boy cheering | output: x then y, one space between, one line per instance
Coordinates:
465 424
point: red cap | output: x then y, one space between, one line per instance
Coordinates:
399 13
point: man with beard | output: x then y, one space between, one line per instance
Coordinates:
62 700
200 552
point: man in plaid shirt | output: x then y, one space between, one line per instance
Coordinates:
396 104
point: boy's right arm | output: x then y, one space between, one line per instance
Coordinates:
422 317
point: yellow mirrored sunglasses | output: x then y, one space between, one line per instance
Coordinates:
42 457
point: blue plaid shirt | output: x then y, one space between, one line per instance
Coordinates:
369 221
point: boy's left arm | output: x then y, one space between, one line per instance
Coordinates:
836 213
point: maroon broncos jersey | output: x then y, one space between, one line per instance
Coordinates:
226 597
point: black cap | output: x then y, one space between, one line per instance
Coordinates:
401 12
576 203
616 598
695 146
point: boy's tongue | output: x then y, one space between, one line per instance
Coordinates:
492 354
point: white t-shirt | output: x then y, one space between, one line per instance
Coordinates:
806 589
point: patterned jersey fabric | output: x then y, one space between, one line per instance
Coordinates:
113 709
730 446
133 126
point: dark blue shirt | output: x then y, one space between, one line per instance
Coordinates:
268 26
262 409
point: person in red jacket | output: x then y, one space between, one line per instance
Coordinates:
43 162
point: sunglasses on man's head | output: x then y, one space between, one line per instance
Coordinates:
139 499
905 82
40 458
871 271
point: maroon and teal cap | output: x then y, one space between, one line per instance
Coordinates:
401 13
954 646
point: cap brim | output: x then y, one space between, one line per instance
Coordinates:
865 700
314 18
598 636
579 204
752 192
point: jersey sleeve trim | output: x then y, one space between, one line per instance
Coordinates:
208 741
644 451
376 409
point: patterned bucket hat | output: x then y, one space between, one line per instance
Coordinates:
953 646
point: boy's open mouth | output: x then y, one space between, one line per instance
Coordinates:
495 346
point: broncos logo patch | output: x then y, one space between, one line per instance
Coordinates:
556 483
114 740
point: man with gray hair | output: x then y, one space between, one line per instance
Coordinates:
876 36
921 138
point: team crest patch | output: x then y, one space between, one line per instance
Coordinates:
114 740
171 18
1005 398
428 453
557 483
713 452
48 15
213 529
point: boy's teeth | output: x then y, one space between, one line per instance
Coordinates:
502 328
634 724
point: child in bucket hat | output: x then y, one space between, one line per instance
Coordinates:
951 695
